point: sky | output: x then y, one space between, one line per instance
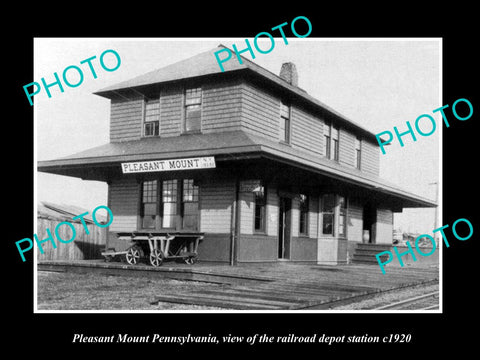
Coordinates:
378 83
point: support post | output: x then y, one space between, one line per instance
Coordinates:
235 224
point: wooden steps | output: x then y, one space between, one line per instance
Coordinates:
366 253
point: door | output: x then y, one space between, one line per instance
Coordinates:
284 227
369 220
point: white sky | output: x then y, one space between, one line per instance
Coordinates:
378 83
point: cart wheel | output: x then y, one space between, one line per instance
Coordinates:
133 255
108 258
156 257
190 260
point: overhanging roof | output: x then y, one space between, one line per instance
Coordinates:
233 145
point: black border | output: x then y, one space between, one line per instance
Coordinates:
432 332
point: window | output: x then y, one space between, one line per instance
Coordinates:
328 214
193 109
284 122
260 205
175 203
327 133
334 144
358 152
149 204
169 203
342 216
331 147
152 116
190 205
303 216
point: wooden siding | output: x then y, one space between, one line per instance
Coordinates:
260 112
255 248
83 247
234 105
246 213
123 201
216 198
313 217
303 249
295 217
384 226
272 211
346 144
214 248
355 220
370 160
126 120
306 131
171 111
384 216
221 107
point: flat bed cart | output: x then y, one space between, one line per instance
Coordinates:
159 246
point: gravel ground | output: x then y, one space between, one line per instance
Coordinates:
73 291
68 291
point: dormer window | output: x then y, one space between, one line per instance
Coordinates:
152 117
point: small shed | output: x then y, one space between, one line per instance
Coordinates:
83 247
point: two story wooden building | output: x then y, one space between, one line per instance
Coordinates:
265 170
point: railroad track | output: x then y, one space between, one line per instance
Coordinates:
273 296
422 302
245 289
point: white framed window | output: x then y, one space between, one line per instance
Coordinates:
335 148
331 141
193 109
151 121
334 215
328 214
284 133
358 153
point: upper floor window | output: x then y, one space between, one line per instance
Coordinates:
303 216
334 143
331 147
358 152
152 117
284 122
193 109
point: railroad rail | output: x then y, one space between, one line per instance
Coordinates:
408 303
259 287
343 301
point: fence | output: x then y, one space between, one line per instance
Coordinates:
83 247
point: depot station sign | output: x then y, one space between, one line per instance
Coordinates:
169 165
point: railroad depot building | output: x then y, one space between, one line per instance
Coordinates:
245 156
